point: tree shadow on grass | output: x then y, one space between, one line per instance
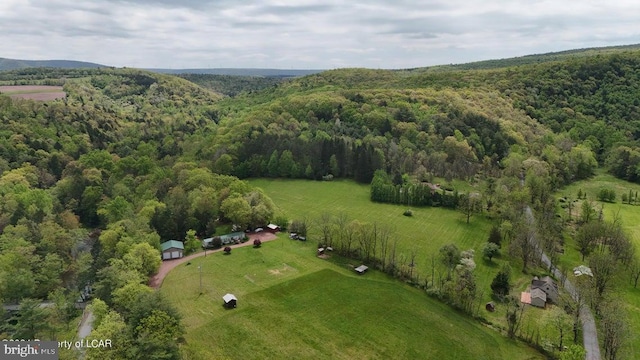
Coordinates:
490 263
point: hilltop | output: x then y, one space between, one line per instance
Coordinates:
13 64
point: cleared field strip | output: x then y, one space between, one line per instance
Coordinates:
33 92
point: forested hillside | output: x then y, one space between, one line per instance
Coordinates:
92 183
405 122
232 85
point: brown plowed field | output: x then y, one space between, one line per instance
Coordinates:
33 92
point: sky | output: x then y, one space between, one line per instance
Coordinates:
307 34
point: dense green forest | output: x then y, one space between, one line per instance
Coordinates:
232 85
92 184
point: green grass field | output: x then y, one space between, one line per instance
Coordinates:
630 217
292 304
425 232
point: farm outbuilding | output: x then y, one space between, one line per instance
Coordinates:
490 306
548 286
538 298
230 300
273 228
172 249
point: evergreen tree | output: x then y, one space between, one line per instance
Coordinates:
286 164
272 166
501 283
494 236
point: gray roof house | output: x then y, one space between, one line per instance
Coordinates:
547 285
538 298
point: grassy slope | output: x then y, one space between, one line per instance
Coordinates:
426 231
630 217
294 305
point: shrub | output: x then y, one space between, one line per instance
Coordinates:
216 242
257 243
608 195
495 236
227 250
408 213
299 227
281 221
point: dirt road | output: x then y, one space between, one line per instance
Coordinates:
589 330
168 265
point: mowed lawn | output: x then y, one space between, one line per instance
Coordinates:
293 305
425 232
630 217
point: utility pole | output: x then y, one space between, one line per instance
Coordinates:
200 268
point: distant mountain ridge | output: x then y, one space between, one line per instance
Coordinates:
15 64
241 72
529 59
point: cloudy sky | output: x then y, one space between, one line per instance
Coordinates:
307 34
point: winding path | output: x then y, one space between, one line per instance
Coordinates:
589 331
168 265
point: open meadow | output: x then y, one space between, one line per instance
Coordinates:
33 92
424 233
292 304
630 217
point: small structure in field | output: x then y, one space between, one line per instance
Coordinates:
582 270
491 306
172 249
273 228
230 301
362 269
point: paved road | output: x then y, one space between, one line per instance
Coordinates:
589 331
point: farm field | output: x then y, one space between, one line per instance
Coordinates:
292 304
630 217
33 92
425 232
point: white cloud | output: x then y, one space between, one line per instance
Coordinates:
307 34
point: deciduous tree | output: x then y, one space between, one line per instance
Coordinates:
450 257
489 250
